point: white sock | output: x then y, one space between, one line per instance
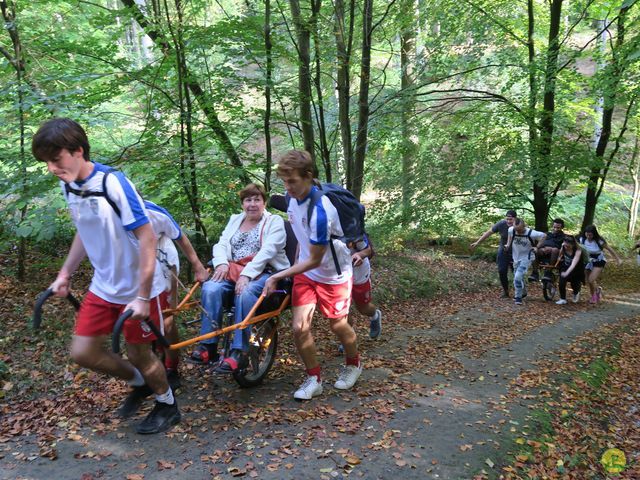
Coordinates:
137 380
166 397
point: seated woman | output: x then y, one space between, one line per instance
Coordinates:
251 249
571 269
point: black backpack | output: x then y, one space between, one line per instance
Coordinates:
528 235
350 211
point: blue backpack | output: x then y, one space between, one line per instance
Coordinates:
350 211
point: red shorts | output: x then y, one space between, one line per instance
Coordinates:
361 294
97 317
334 299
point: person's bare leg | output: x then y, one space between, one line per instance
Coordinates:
593 279
367 309
150 367
302 337
171 332
91 353
346 335
172 335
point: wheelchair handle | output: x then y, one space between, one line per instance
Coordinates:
43 297
117 331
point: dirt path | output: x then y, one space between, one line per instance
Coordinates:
430 404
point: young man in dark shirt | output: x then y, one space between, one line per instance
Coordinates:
503 258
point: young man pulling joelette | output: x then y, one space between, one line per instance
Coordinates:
316 279
121 246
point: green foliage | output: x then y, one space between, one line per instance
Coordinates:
474 157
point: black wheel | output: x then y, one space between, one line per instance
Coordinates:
263 344
549 290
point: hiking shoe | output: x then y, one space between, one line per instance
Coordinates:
594 299
517 301
236 360
534 277
161 418
311 387
576 297
348 376
173 377
204 354
133 401
375 325
562 301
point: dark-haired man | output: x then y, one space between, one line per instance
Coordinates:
114 232
503 258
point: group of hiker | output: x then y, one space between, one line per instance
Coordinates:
129 242
580 259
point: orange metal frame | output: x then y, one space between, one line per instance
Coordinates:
187 304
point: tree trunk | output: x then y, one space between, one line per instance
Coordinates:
533 86
343 38
542 163
600 169
634 170
18 63
303 36
355 183
409 140
204 101
267 95
187 154
325 155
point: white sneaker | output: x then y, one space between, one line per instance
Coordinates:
310 388
576 297
348 376
562 301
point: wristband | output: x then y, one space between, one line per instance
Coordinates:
144 299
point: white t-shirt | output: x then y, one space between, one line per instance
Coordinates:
108 239
521 246
167 230
594 248
324 224
362 272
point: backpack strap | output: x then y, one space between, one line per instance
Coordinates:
87 193
106 194
314 197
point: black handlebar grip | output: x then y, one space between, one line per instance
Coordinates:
156 331
117 330
73 301
43 297
37 309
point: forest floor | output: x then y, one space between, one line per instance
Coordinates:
462 385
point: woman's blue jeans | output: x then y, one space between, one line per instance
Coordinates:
214 297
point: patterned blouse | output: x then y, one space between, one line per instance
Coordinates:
244 244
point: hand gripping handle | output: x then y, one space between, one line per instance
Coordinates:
117 331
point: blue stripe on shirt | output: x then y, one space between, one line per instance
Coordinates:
157 208
132 199
321 224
